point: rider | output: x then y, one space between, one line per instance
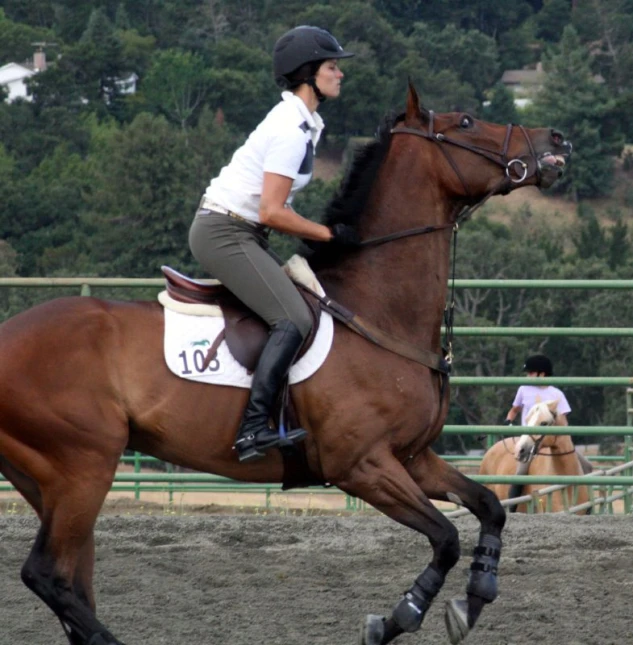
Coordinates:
252 194
540 365
537 365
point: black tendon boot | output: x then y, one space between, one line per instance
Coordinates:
255 436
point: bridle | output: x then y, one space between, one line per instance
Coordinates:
515 166
538 440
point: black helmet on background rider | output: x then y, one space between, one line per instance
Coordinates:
538 363
298 54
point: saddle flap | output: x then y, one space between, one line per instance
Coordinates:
245 332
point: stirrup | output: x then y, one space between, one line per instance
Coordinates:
249 449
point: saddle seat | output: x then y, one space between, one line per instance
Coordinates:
244 331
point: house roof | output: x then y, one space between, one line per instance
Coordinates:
523 77
12 72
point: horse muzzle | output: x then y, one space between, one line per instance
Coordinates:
551 164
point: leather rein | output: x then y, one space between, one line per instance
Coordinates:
441 364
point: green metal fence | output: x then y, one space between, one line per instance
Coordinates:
176 482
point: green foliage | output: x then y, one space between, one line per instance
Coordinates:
176 84
552 19
501 108
16 40
578 105
144 191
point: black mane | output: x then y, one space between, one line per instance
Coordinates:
350 199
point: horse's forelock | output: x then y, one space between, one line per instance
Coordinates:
539 413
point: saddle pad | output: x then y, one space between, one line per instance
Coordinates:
188 338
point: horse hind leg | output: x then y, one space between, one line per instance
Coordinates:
59 567
385 484
440 481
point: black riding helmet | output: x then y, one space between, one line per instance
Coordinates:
538 363
300 46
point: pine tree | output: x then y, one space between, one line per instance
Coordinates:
573 101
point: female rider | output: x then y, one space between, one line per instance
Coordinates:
254 193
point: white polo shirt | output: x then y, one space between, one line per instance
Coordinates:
283 143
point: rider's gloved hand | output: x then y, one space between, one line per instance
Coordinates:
507 422
344 235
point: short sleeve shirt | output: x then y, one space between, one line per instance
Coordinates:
528 395
283 143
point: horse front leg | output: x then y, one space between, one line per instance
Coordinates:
440 481
384 483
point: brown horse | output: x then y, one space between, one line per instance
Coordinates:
83 379
538 455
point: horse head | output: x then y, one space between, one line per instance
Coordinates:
540 414
485 158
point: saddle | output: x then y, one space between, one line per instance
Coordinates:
244 331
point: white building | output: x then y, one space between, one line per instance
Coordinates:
14 75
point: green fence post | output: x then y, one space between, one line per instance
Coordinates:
137 469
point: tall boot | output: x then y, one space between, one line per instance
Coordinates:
255 436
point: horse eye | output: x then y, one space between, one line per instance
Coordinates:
543 423
466 122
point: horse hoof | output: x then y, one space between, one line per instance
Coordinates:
372 630
456 618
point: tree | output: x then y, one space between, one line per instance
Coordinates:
16 39
578 105
552 19
145 187
501 108
176 85
450 49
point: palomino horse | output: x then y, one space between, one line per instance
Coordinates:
538 455
83 379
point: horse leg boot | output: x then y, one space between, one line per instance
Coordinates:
255 436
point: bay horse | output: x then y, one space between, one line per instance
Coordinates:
84 378
538 455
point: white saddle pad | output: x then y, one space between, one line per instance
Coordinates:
189 336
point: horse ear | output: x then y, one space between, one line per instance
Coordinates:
416 113
553 406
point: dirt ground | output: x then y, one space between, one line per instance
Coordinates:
211 579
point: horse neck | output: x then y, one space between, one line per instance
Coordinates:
400 285
558 444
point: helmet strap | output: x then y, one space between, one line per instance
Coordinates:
312 83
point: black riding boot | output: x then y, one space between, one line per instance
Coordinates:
255 436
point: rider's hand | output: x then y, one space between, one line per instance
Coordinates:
344 235
507 422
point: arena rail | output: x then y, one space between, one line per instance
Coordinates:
173 482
